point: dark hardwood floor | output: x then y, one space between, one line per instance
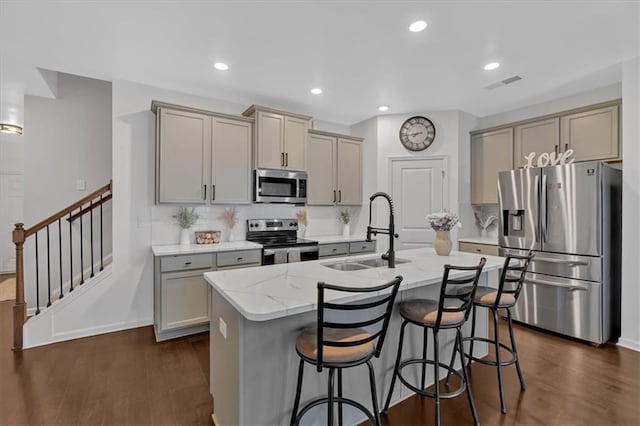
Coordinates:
126 378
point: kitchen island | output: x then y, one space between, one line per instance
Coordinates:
257 313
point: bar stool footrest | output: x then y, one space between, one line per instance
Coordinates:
514 356
324 400
422 392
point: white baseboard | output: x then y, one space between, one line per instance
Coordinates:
629 344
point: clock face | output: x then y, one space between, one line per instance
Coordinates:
417 133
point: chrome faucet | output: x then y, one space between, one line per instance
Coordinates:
389 256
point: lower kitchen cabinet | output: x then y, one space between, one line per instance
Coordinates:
181 294
488 249
346 248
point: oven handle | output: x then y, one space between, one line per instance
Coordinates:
305 249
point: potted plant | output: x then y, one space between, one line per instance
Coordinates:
345 219
443 222
186 219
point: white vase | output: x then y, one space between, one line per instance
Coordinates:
232 236
185 237
346 230
302 231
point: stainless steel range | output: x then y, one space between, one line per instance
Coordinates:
571 216
280 243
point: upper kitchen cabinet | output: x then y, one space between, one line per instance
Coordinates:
592 134
491 153
183 142
538 136
280 140
334 168
202 156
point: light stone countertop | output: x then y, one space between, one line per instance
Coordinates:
276 291
334 239
480 240
175 249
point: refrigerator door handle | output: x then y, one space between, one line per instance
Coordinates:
543 208
554 284
536 225
561 262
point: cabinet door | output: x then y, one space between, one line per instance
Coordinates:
183 162
321 186
230 161
540 136
349 172
490 153
269 140
295 143
593 135
184 299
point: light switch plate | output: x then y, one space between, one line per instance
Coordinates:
81 185
223 328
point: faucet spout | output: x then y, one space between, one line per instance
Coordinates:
390 255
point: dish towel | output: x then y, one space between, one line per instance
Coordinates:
294 255
280 256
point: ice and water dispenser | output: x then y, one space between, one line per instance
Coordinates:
513 223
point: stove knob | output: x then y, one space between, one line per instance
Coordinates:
292 224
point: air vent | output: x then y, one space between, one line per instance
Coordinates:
503 82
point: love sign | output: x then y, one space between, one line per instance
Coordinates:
549 159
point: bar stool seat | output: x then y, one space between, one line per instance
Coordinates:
425 311
307 345
486 297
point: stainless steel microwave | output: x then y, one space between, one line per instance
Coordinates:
279 186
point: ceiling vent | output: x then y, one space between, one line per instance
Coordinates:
503 82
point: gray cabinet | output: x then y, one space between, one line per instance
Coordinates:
491 153
346 249
334 168
181 294
538 136
280 138
592 134
201 156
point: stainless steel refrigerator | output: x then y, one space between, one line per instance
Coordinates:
571 216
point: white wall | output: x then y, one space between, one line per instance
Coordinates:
11 195
65 139
630 204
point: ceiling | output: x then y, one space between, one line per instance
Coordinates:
360 52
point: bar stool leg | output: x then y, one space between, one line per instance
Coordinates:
436 376
395 369
330 398
474 413
296 402
515 351
424 356
374 393
339 396
503 407
473 334
453 358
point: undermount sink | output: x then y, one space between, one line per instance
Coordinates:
378 262
362 264
346 266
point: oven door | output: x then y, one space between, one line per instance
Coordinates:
281 255
279 186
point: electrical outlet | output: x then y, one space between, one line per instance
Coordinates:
81 185
223 328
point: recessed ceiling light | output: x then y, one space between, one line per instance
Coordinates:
383 108
491 66
221 66
316 91
417 26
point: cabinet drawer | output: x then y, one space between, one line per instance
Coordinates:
186 262
236 258
362 247
340 249
487 249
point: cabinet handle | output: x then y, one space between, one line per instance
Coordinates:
557 148
187 263
334 195
339 195
282 159
334 249
566 147
286 159
213 192
239 259
205 192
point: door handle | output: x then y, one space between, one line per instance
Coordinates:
553 284
561 262
334 195
282 159
204 197
544 209
286 159
213 192
339 195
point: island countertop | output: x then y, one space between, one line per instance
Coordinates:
276 291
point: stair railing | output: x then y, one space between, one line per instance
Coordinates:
71 213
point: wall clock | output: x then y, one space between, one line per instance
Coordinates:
417 133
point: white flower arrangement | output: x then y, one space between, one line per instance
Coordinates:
443 221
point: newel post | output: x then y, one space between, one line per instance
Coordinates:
20 307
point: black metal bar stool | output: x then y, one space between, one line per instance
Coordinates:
450 311
340 344
505 297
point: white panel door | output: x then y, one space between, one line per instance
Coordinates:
418 188
11 212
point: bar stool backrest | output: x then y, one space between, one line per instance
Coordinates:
513 272
459 290
368 318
